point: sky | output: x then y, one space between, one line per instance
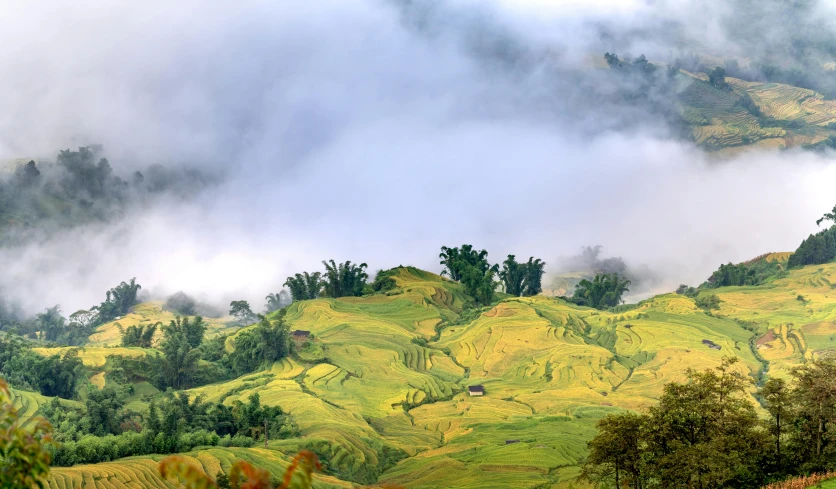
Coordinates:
372 131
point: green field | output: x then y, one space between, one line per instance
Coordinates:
392 370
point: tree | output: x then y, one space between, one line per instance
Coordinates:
241 311
777 401
815 397
705 433
28 175
304 287
717 78
84 319
181 303
345 279
617 451
828 216
24 458
179 363
119 301
534 271
456 261
603 291
277 301
512 276
268 342
51 323
472 269
139 335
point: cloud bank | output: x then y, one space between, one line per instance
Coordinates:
371 131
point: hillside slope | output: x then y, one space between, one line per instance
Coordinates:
381 390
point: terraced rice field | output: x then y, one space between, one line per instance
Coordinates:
393 371
92 356
142 473
28 404
149 313
720 121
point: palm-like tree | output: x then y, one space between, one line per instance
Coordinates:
603 291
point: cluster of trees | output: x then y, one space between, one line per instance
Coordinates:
276 301
183 347
522 279
262 345
472 269
181 339
55 375
817 248
108 430
605 290
118 301
339 280
184 305
82 187
706 433
52 326
752 273
139 335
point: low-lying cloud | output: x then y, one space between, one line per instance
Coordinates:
349 131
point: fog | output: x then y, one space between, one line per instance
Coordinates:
375 132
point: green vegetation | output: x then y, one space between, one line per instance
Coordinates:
472 269
706 433
241 311
344 280
377 386
603 291
304 286
522 279
25 459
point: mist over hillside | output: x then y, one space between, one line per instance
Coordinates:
378 131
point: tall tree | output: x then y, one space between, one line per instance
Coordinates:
180 358
277 301
305 286
119 300
139 335
617 451
456 261
815 421
603 291
345 279
241 311
534 270
512 276
777 401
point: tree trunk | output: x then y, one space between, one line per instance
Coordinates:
617 485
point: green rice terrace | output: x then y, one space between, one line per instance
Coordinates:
380 386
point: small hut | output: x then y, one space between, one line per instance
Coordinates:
476 390
300 335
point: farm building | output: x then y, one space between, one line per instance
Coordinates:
476 390
711 344
301 335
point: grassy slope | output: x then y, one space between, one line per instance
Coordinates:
550 370
146 314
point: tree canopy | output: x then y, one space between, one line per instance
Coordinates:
344 279
305 286
603 291
471 267
522 279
